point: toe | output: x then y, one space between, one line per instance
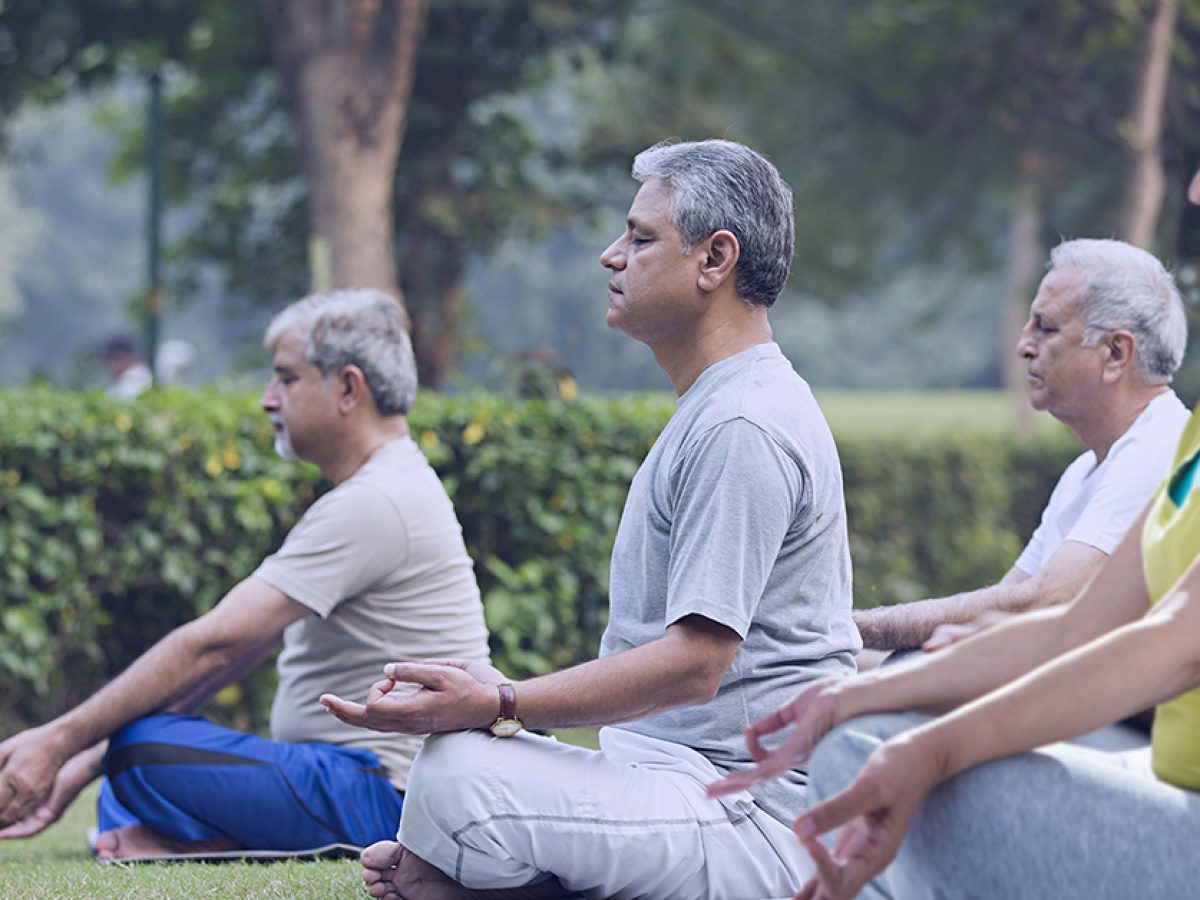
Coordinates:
107 844
382 855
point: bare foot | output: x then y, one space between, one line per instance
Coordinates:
141 841
393 872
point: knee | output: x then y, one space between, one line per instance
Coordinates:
148 729
157 728
450 768
841 753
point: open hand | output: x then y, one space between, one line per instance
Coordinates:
945 635
450 698
812 712
874 812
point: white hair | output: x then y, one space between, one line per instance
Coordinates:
364 328
1127 288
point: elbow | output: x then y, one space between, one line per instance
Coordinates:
202 653
696 655
701 686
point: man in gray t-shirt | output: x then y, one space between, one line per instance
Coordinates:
737 516
730 589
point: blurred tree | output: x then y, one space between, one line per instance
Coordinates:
48 47
348 69
471 171
949 135
906 126
18 227
1143 130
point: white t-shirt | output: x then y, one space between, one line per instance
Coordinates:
380 560
1095 505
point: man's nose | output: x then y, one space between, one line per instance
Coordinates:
269 401
1025 346
614 256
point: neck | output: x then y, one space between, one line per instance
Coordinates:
1099 432
713 340
362 446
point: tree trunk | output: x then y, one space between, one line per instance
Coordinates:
348 68
1144 182
445 348
1025 254
433 278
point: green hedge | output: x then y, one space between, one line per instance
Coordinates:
119 521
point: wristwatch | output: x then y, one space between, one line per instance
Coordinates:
507 724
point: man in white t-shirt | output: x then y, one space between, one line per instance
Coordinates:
1106 333
375 570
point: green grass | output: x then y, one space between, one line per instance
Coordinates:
57 863
921 413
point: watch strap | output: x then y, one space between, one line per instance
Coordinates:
508 700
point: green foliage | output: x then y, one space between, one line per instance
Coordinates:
539 488
933 517
122 521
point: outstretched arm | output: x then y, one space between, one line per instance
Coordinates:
957 675
909 625
178 673
684 667
1085 689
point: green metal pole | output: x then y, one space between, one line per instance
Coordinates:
154 166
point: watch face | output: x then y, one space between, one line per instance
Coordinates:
505 727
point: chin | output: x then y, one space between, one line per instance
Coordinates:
283 446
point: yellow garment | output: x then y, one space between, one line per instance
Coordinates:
1170 543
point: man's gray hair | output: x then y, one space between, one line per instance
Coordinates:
719 185
364 328
1129 289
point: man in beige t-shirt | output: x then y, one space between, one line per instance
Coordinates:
375 571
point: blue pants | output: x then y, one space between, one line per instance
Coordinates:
191 780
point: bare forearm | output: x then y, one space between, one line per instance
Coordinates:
196 696
909 625
162 678
961 673
90 761
1085 689
606 691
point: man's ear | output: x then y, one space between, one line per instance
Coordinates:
1120 349
721 252
352 388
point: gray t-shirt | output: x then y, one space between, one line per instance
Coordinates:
737 515
380 560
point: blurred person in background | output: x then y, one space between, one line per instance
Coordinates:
128 374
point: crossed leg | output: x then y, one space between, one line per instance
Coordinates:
392 872
142 841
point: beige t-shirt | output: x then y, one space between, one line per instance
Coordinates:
380 559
